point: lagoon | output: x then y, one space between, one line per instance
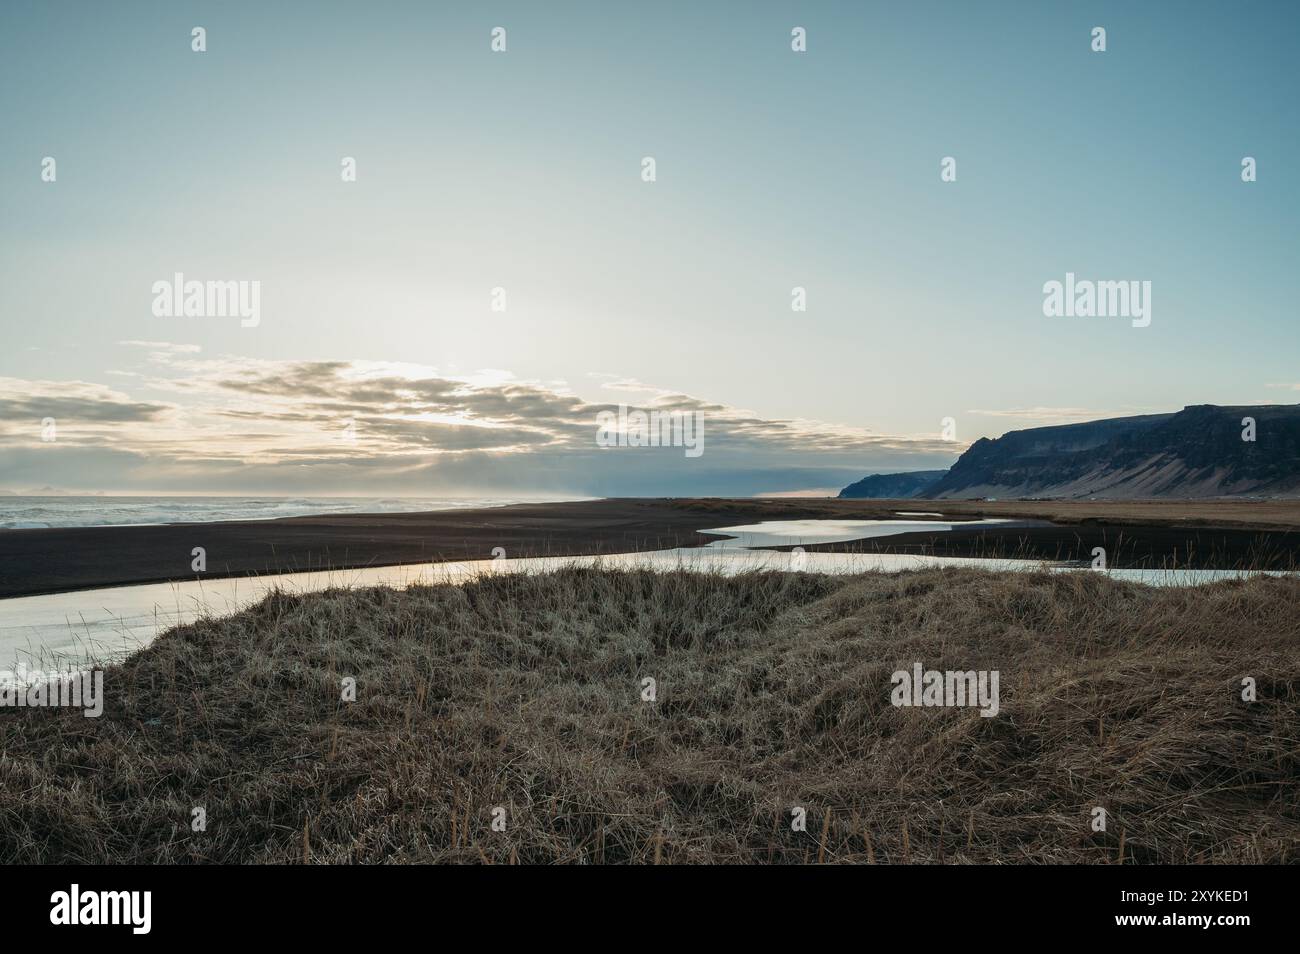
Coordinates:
69 629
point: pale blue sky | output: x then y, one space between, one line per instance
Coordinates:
775 169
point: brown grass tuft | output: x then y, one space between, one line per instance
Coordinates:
772 691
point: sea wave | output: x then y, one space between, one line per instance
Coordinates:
31 513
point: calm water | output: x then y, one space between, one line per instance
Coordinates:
777 533
102 624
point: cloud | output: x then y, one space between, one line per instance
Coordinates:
165 347
24 404
250 425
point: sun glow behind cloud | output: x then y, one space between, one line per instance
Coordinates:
185 421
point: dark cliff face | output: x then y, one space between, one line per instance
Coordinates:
893 486
1197 452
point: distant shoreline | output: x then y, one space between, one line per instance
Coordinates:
57 560
37 512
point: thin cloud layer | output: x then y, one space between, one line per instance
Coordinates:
226 424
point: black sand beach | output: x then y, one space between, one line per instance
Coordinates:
61 559
1263 534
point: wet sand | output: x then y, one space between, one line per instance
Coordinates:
1156 533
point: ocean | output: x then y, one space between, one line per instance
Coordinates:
22 513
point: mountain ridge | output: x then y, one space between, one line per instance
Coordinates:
1198 452
892 486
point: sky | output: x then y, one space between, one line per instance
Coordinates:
378 363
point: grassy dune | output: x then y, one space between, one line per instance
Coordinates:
772 692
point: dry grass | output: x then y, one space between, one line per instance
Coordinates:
772 691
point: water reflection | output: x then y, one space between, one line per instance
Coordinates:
107 623
779 533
